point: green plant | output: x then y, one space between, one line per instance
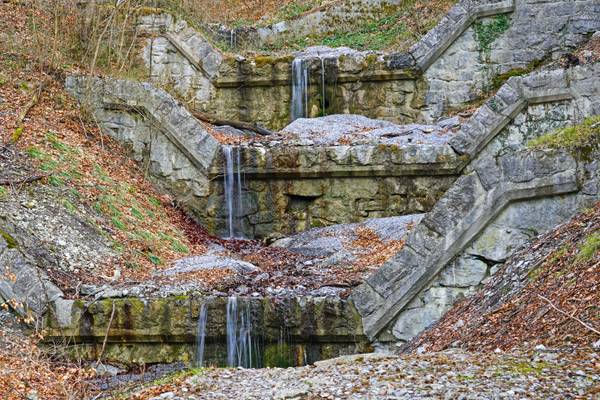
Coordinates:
55 180
487 32
36 153
154 259
137 213
69 206
293 10
580 140
118 223
589 248
3 192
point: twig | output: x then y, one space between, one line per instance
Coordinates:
112 314
591 328
32 102
211 119
20 181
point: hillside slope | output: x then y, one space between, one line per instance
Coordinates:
548 293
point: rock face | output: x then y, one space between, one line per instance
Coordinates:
452 65
299 330
303 178
199 263
507 195
334 243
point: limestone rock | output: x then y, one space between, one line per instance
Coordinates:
199 263
464 272
412 322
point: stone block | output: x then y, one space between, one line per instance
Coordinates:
463 272
366 299
412 322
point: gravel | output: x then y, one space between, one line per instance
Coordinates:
453 374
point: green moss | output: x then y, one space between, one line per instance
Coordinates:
3 193
527 368
263 60
589 248
279 355
10 241
580 140
499 80
487 32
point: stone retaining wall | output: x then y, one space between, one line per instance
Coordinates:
507 195
288 187
456 62
294 331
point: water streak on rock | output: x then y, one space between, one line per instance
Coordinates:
233 192
300 78
201 335
242 349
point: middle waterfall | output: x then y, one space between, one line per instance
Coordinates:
232 186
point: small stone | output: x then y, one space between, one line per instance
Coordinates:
498 350
540 347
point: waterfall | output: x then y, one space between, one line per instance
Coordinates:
233 191
231 331
322 86
232 38
299 108
240 344
300 82
201 335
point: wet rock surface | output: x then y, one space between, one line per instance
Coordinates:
208 262
334 243
451 374
334 129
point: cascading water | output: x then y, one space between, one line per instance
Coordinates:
322 86
299 89
241 347
201 335
300 83
233 38
233 191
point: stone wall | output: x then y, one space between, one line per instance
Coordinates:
507 195
288 331
458 61
160 132
288 186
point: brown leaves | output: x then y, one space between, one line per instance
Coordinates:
25 370
561 295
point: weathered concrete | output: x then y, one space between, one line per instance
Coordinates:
494 207
458 61
165 330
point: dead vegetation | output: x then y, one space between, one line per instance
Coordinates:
27 372
552 299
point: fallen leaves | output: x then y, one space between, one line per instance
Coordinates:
557 305
27 372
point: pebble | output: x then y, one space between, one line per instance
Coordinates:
450 374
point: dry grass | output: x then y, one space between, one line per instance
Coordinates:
235 12
26 372
146 228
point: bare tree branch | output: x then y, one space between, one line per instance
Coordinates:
587 326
